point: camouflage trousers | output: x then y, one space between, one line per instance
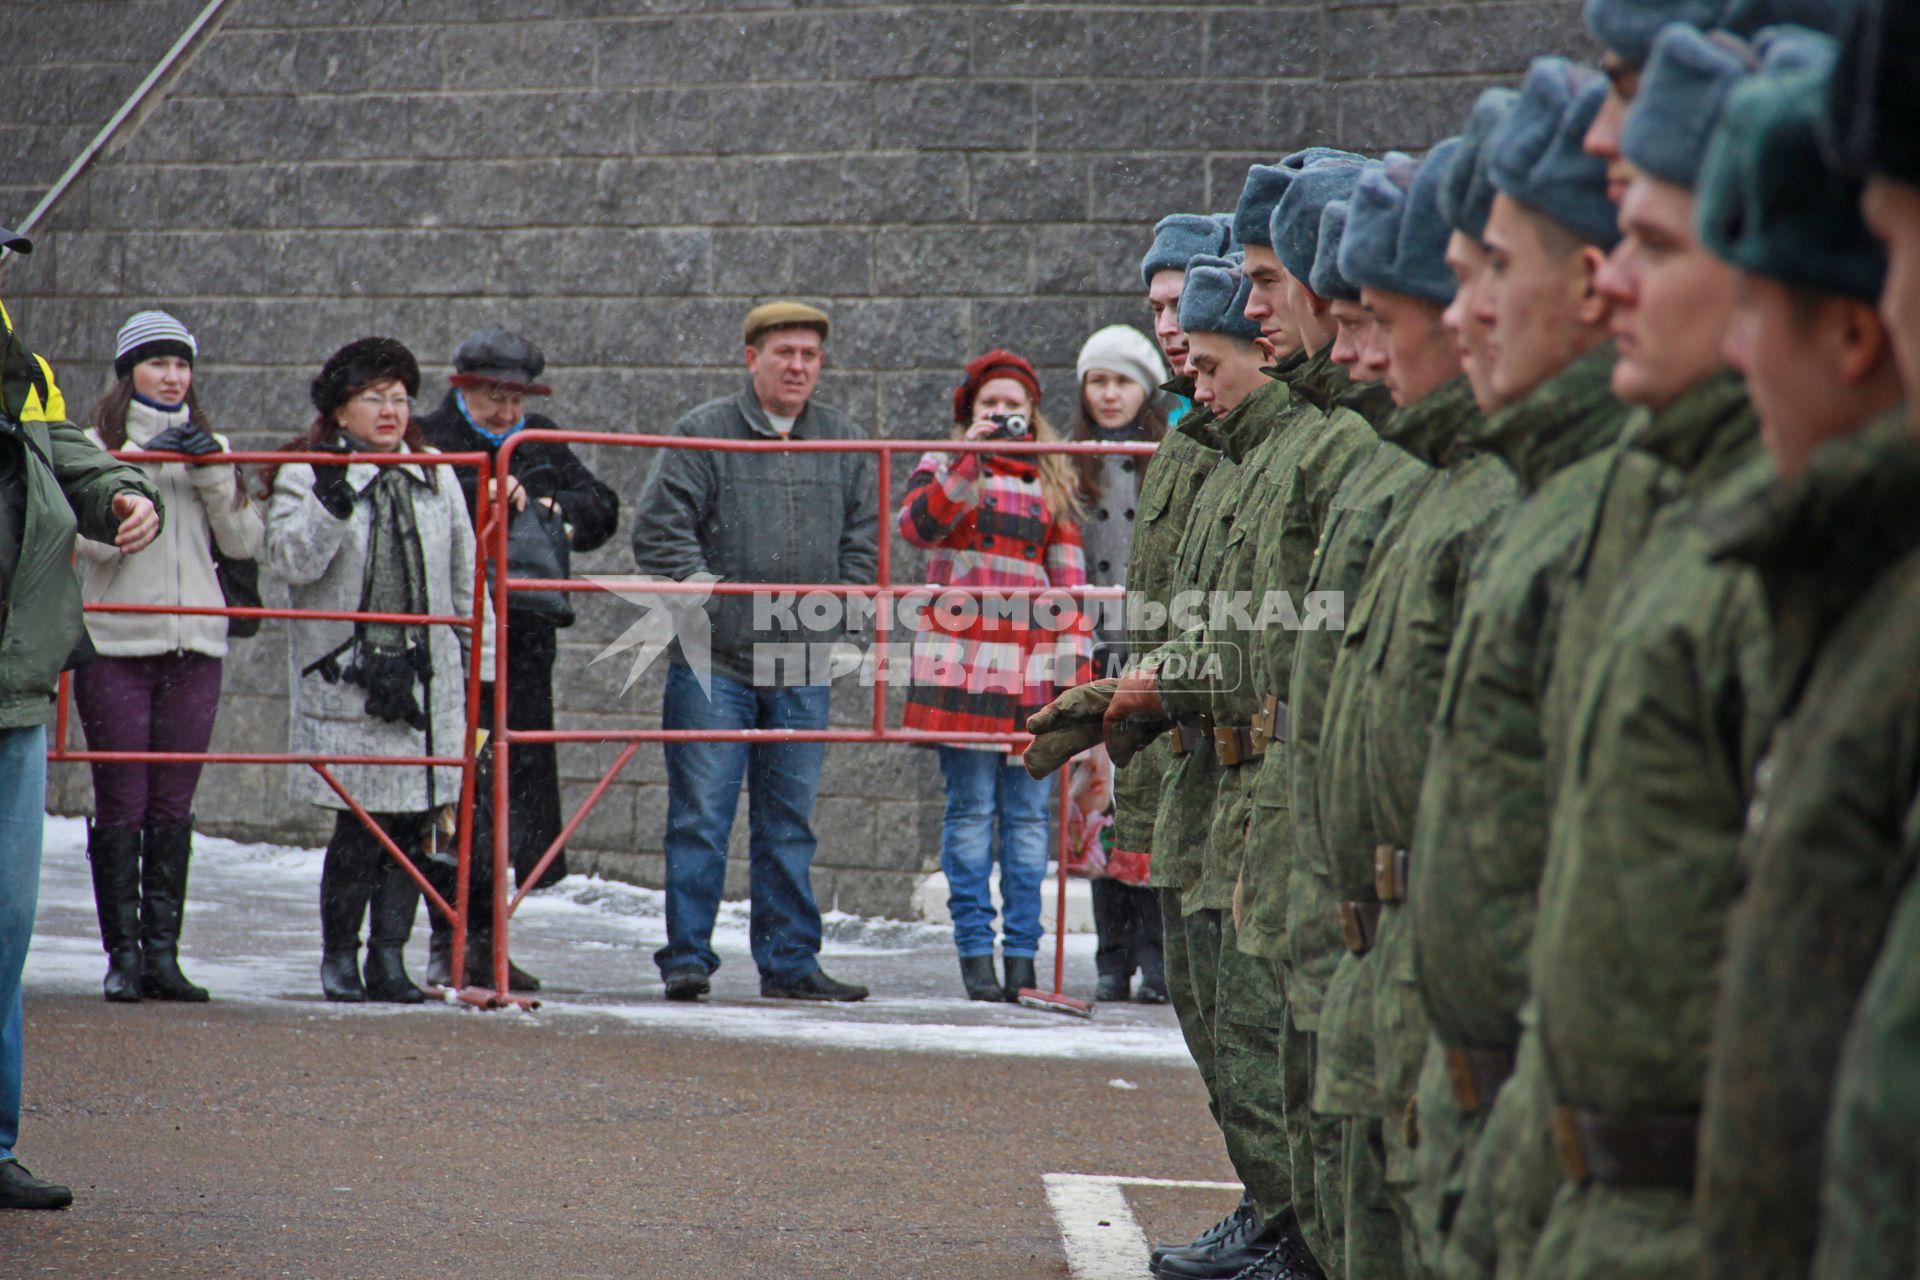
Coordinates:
1241 1000
1597 1232
1314 1149
1439 1159
1374 1249
1186 1005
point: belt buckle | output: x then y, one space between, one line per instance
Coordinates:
1390 873
1226 745
1567 1142
1466 1085
1356 930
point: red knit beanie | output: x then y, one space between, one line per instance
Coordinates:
997 363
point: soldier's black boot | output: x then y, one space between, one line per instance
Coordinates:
1152 988
345 885
163 901
1019 974
1231 1254
114 855
389 925
1243 1213
981 982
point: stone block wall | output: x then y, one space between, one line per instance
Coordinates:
621 181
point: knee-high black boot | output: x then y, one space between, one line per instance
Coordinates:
163 902
389 925
346 882
1148 948
114 854
1113 926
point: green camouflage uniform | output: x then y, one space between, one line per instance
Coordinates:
1644 858
1480 837
1372 495
1513 1173
1203 806
1830 842
1377 733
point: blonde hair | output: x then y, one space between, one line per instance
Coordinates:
1059 487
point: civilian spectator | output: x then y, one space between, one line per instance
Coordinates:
494 374
755 516
156 684
994 521
354 536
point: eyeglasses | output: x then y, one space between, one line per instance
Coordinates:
501 399
378 402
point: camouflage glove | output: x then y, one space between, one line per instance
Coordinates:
1048 751
1082 704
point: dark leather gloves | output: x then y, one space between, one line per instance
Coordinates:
330 483
189 438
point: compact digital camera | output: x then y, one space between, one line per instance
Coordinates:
1008 426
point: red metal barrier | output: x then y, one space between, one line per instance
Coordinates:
455 911
882 590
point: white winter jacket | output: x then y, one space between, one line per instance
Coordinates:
204 504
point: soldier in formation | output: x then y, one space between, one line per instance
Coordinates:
1527 730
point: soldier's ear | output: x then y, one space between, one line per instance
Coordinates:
1595 309
1864 341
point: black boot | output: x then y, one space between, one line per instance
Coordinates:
163 898
390 923
1153 978
114 853
439 950
1112 988
1236 1251
1019 974
346 882
976 973
1244 1212
480 964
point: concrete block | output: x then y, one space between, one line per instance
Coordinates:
1411 114
1399 40
1268 44
1048 331
894 188
1087 259
594 260
973 260
1135 45
923 42
1508 37
1025 188
995 115
804 189
529 56
765 262
714 192
639 52
1141 189
893 333
777 47
914 405
597 192
1030 42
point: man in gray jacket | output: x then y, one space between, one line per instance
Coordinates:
755 516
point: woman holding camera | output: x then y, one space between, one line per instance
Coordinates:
994 521
395 539
156 684
1120 371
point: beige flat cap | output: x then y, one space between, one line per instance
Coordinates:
783 315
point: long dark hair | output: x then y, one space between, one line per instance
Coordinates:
1090 468
325 432
109 416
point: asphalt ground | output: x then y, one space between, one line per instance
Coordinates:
606 1134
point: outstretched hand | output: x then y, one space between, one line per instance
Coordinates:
139 522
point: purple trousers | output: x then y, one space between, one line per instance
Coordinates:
165 703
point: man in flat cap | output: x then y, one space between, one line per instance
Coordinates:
761 516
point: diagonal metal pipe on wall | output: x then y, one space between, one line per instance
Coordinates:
168 64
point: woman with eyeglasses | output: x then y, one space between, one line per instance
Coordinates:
550 492
394 539
156 684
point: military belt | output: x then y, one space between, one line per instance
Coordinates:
1359 925
1189 736
1237 744
1646 1151
1270 724
1476 1076
1390 873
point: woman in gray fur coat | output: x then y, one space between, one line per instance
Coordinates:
388 539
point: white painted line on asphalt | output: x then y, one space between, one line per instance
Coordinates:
1098 1231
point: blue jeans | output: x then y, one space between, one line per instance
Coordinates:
703 790
982 786
23 820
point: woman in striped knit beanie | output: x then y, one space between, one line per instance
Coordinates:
994 521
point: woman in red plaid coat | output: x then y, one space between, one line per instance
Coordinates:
984 660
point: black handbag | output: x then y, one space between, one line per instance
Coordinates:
240 584
538 546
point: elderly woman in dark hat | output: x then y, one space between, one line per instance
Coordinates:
379 539
495 373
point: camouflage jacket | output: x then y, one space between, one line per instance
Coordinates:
1178 468
1185 811
1643 861
1319 528
1480 838
1830 841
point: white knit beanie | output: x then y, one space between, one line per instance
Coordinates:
1122 349
147 334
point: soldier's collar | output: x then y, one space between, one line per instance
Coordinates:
1431 429
1570 415
1253 418
1706 433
